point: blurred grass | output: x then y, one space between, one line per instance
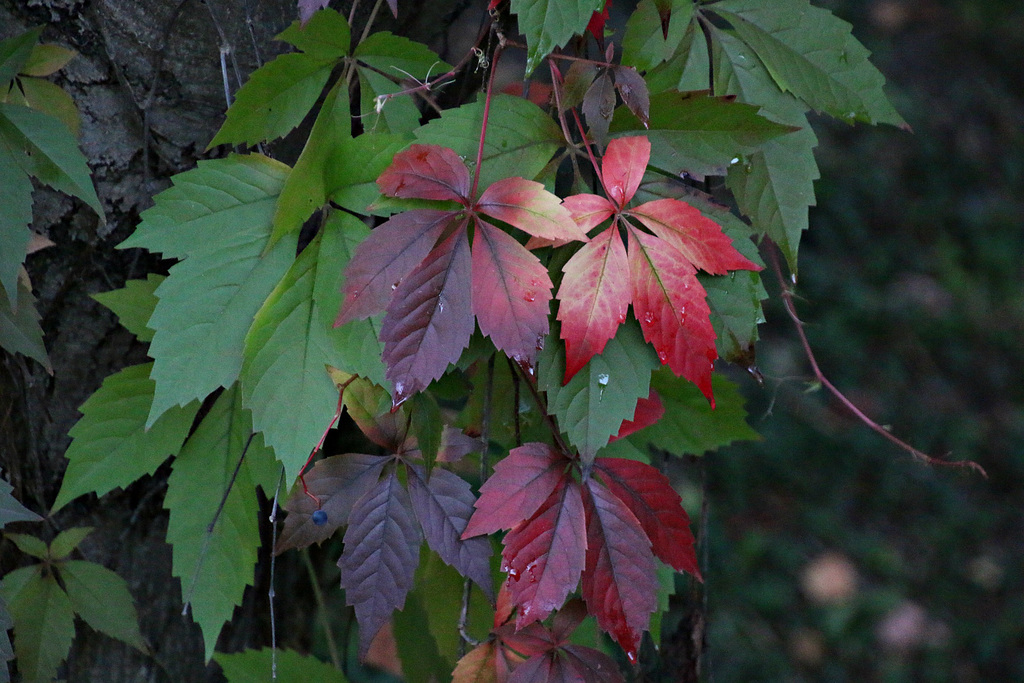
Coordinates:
912 286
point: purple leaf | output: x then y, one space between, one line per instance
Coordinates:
380 557
308 8
633 89
598 107
443 503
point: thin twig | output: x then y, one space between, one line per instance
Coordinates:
487 110
273 573
787 299
318 595
542 406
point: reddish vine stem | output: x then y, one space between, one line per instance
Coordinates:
550 421
320 443
787 299
487 112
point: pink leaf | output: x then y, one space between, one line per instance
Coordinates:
588 210
384 258
430 319
443 503
620 582
648 411
426 172
544 556
697 237
672 309
382 549
521 482
526 205
511 293
623 168
338 481
593 298
649 495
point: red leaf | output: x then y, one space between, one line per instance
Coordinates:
426 172
382 546
567 619
338 481
648 411
620 583
593 298
511 293
588 210
521 482
697 237
597 21
633 90
443 503
592 666
430 318
385 257
623 168
526 205
672 309
544 556
455 445
530 640
649 495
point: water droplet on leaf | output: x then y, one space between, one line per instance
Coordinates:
602 379
662 356
529 296
649 318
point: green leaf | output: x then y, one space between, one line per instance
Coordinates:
548 24
292 667
11 510
6 649
521 138
436 583
688 67
690 425
352 169
66 542
46 149
399 58
206 207
30 545
427 426
775 185
645 44
101 598
810 52
215 565
325 36
699 134
14 54
735 301
417 649
46 60
133 304
15 217
305 189
666 589
208 301
274 100
293 340
592 406
50 99
110 445
19 328
44 623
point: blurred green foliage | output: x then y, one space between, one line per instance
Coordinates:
833 555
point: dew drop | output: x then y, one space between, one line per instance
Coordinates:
662 356
602 379
440 304
513 574
529 296
649 318
735 160
631 654
540 342
622 318
394 286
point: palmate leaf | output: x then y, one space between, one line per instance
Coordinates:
380 557
568 664
218 218
426 172
15 217
111 446
443 503
325 35
291 342
810 52
44 622
50 99
15 53
19 327
521 137
436 583
620 583
102 599
134 304
431 319
526 205
548 24
292 667
650 39
215 565
352 170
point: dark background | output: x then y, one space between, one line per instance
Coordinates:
832 554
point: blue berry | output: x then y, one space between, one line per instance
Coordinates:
319 517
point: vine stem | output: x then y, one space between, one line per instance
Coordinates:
787 299
271 593
487 112
320 443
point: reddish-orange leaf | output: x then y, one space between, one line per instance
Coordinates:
478 665
593 298
544 556
511 293
648 411
672 308
620 583
526 205
623 168
588 210
430 318
426 172
521 482
696 236
385 257
649 495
